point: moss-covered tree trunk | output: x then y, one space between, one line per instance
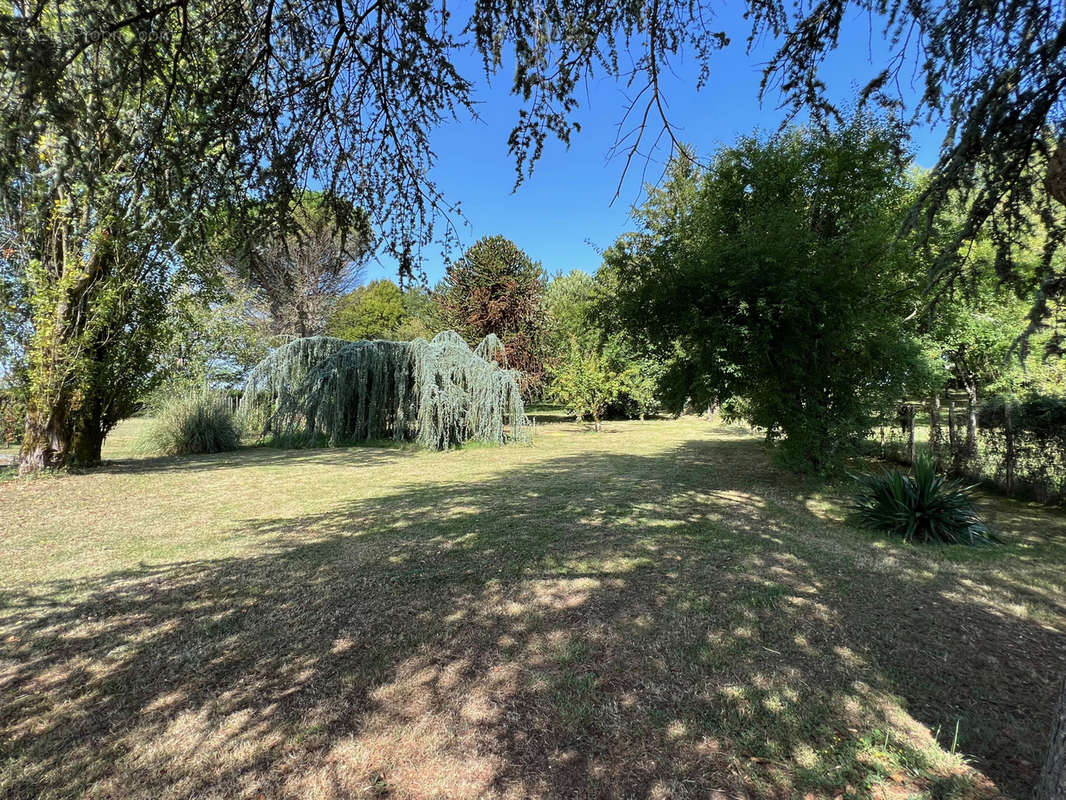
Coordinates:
62 309
1052 783
88 436
46 441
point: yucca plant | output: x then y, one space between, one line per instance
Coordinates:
923 507
192 422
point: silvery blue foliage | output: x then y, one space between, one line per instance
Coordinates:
438 393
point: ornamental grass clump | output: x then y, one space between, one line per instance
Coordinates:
440 393
924 507
192 422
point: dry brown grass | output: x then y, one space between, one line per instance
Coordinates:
653 611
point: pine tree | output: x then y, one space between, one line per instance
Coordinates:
495 288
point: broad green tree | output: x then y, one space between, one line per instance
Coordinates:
583 383
381 310
583 331
776 277
374 311
569 301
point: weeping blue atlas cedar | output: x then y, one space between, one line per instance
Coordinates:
440 393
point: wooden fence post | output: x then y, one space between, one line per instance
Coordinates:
910 431
934 427
1009 456
953 442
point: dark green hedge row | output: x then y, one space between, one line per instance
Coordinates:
1042 415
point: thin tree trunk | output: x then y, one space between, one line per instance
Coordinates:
971 422
910 434
1052 783
953 439
1009 455
935 433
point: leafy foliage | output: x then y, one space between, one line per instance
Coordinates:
583 383
213 335
980 331
924 508
193 422
12 416
438 393
380 310
570 302
155 114
595 369
775 278
495 288
1043 414
994 74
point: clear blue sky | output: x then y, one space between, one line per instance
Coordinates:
568 200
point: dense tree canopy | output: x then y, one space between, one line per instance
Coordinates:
772 279
381 310
126 124
595 368
495 288
374 311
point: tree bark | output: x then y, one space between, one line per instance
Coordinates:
88 442
911 454
1052 782
971 422
935 433
953 442
1009 454
46 442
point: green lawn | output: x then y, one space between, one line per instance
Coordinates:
652 611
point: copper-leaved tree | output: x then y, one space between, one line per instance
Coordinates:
495 288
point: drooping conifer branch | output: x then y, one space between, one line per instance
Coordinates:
322 390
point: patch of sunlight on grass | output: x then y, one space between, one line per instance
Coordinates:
657 610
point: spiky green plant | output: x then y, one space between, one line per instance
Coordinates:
331 391
192 422
923 507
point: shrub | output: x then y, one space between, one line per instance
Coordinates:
924 507
12 417
193 422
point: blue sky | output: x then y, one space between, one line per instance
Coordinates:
564 212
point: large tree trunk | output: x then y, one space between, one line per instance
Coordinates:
52 359
88 442
1052 783
46 442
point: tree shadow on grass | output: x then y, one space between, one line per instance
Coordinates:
594 626
260 456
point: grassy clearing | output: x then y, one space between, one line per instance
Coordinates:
652 611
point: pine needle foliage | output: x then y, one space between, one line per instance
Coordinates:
439 393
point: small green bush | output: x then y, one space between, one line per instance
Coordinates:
12 417
193 422
924 507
